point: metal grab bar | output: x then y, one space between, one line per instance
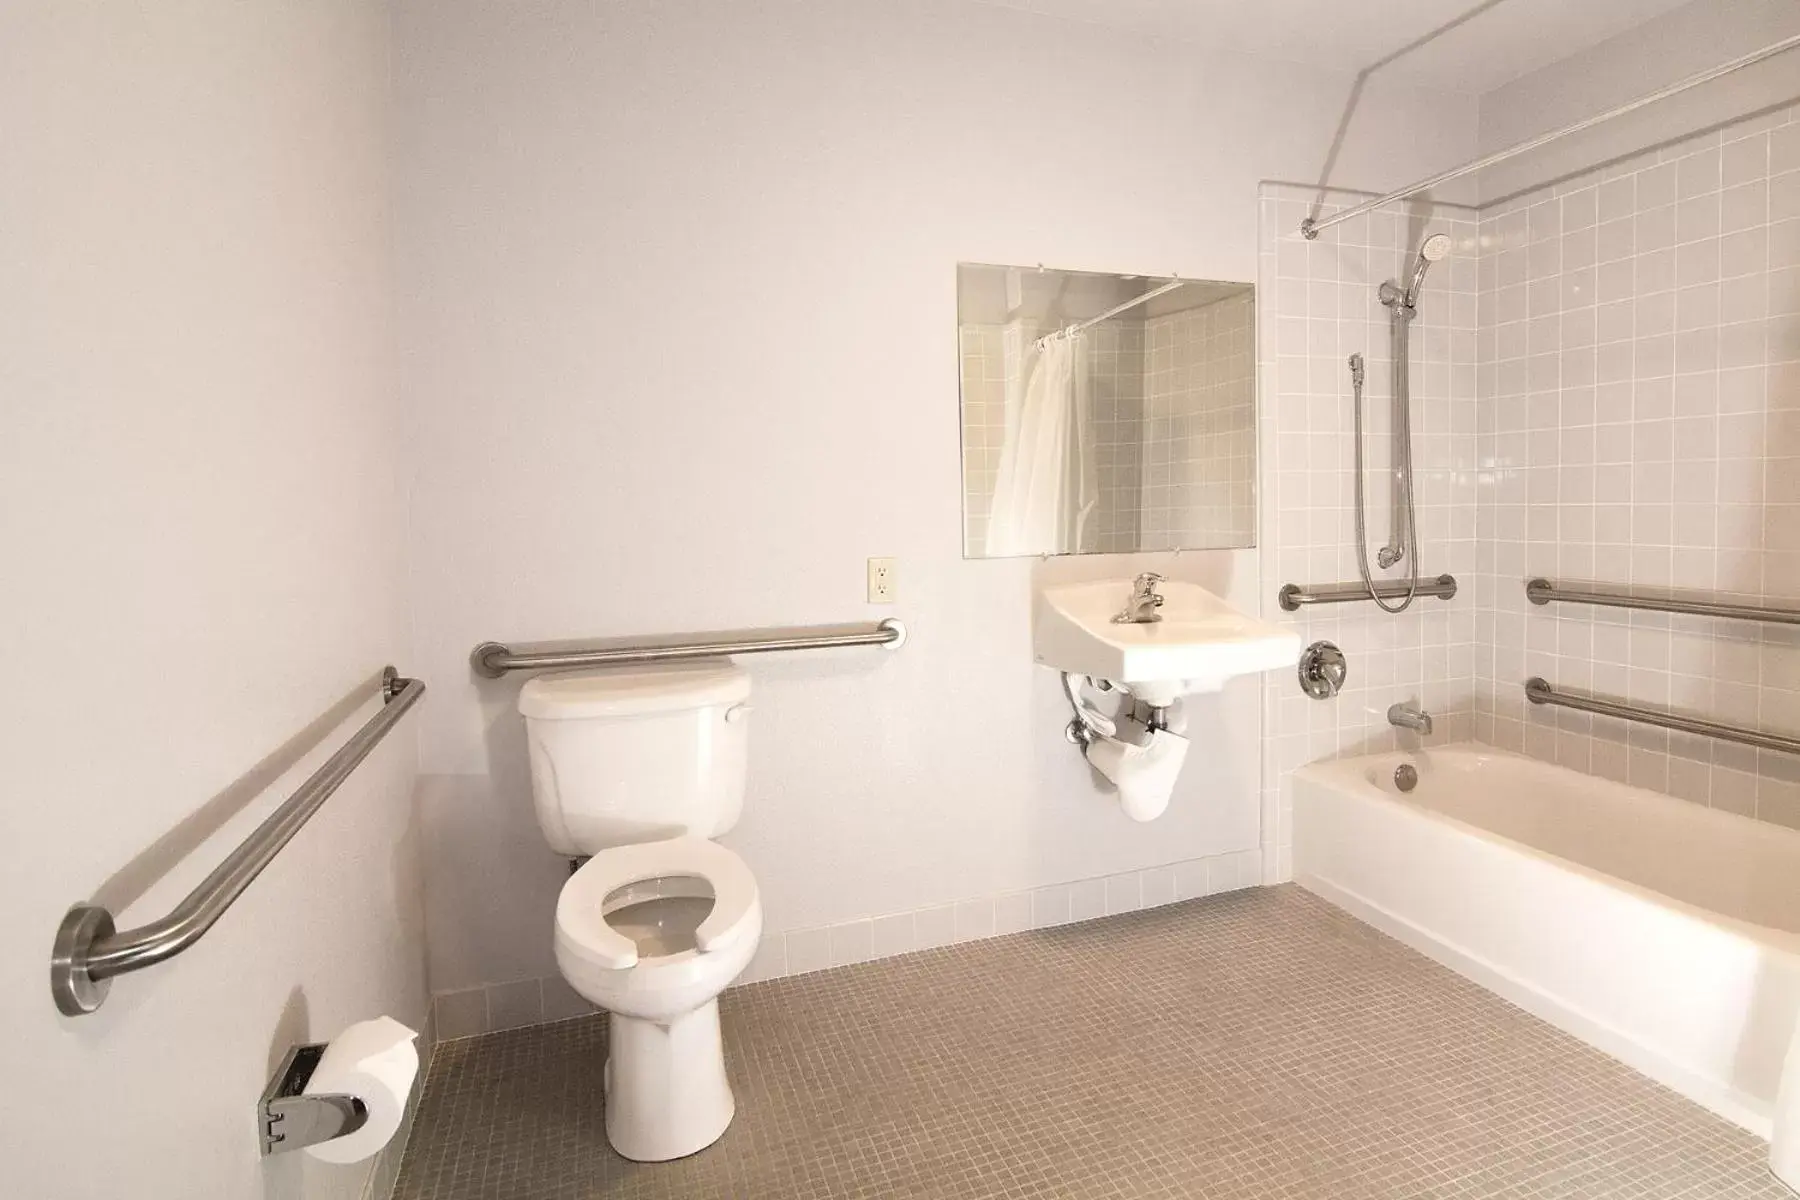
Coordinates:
1293 597
1543 591
494 659
88 951
1540 692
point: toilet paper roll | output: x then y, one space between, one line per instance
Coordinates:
375 1061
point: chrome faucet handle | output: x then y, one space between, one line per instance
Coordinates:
1141 608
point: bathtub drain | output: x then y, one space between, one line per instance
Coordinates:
1406 777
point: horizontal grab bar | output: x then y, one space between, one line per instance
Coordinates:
494 659
88 951
1543 591
1540 692
1293 597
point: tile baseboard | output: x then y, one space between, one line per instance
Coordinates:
514 1004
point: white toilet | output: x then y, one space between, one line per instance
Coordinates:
639 767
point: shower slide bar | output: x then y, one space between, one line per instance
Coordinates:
1311 227
1540 692
1293 597
89 951
1543 591
494 659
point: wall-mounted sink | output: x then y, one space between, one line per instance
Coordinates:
1199 643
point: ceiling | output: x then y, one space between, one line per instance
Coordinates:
1470 46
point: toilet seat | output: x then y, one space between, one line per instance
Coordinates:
581 921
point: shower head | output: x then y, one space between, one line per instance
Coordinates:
1436 247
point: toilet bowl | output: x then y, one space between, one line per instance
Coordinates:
652 933
640 767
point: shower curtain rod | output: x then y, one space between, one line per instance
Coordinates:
1310 228
1115 310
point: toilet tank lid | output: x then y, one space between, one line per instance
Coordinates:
634 691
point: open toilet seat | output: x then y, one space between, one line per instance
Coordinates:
581 924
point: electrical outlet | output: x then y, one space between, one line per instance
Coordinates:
883 580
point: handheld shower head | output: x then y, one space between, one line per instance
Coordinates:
1436 247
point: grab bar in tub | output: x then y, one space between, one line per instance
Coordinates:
1538 691
1543 591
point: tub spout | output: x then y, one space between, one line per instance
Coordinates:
1410 716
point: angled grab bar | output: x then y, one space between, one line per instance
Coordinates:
1543 591
1539 691
89 952
491 660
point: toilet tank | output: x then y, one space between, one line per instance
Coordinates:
634 754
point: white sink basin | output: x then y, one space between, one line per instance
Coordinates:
1200 642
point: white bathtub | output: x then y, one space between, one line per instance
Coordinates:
1666 934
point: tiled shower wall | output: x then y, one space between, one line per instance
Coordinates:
1639 427
1200 404
1319 305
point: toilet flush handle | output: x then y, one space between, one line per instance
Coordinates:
736 713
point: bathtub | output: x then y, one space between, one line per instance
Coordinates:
1661 932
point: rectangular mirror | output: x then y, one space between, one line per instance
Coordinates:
1104 414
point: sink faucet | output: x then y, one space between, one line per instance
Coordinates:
1410 716
1141 608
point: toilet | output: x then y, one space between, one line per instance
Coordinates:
637 769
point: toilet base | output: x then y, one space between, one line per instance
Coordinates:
666 1091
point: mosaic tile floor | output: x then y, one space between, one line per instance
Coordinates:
1256 1044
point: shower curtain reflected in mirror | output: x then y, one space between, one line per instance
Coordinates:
1048 480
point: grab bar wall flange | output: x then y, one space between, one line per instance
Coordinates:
491 660
89 952
1539 691
1543 591
1293 597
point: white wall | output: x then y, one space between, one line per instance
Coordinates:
202 523
1685 42
678 332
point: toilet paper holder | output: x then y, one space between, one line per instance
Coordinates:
290 1120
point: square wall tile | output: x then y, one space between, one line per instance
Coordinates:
935 926
515 1005
1050 907
974 919
894 935
1087 899
808 950
1012 913
461 1014
852 942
